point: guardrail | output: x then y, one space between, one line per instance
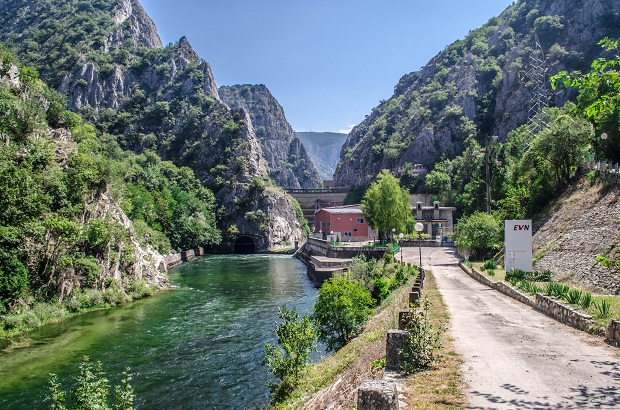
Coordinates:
608 169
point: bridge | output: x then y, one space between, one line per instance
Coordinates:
312 199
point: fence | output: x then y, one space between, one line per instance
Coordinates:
608 169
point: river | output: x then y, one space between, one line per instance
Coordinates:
196 346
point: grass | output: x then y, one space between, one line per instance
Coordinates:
498 274
334 381
572 294
35 314
351 363
441 386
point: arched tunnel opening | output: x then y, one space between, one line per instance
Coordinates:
245 245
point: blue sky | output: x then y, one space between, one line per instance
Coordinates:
328 62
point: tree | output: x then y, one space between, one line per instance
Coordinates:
562 144
341 309
386 205
479 234
598 93
296 340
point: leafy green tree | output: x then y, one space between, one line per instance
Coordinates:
478 234
296 340
386 205
598 94
563 143
341 309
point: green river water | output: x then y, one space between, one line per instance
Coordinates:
196 346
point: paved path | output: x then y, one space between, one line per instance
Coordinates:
515 357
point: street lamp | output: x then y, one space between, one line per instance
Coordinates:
440 231
331 236
419 228
393 231
400 236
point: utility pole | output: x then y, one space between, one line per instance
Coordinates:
487 163
488 173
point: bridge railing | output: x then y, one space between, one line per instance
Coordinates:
318 191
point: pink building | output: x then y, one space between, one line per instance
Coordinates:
347 223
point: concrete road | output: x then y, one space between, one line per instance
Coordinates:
515 357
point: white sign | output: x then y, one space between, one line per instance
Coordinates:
518 240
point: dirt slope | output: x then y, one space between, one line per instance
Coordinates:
582 224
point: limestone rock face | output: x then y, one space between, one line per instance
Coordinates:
133 23
289 164
148 261
150 97
477 86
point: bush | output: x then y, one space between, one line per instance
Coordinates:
479 235
424 339
296 340
490 264
341 309
92 390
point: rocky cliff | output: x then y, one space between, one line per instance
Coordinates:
289 164
478 86
65 240
324 150
107 58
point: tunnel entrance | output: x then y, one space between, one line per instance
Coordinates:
245 245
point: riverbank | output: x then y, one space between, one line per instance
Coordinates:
30 315
333 382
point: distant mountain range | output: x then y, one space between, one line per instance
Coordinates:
324 149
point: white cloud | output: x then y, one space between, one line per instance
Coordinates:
348 129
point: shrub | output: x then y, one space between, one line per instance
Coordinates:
603 308
573 296
424 339
586 300
296 340
341 309
92 390
490 264
479 234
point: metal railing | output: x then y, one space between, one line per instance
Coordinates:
607 169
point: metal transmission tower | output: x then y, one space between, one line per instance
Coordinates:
539 95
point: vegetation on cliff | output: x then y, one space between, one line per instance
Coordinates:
105 56
477 87
63 236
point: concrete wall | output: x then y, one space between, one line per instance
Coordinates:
174 259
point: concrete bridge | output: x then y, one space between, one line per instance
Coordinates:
312 199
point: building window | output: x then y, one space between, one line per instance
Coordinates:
325 224
360 220
348 234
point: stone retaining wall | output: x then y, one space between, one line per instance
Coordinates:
563 312
508 290
612 333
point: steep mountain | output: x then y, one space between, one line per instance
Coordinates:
324 149
106 57
289 164
61 229
478 86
